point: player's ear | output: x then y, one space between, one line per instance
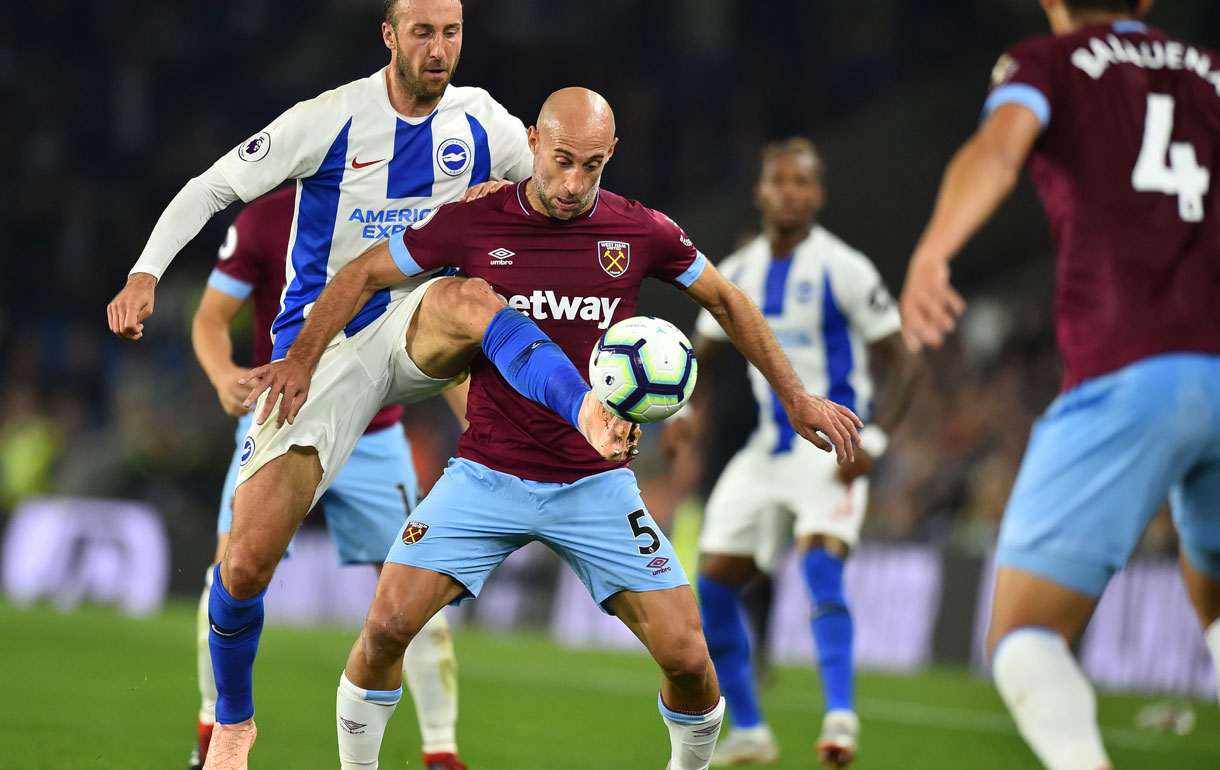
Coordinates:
531 136
387 35
610 150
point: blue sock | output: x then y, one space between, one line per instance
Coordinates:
730 650
236 625
533 364
832 626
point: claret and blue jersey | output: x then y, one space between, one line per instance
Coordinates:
826 303
365 172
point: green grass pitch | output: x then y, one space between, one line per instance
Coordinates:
91 689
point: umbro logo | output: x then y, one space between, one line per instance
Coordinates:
712 729
352 728
501 256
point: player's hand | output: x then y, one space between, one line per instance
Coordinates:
232 391
613 437
482 189
287 381
811 416
853 469
127 311
929 306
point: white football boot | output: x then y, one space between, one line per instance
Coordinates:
746 746
840 735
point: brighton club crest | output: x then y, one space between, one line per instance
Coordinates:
414 532
614 256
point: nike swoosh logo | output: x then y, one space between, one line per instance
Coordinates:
358 164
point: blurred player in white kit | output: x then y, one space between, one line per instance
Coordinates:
831 312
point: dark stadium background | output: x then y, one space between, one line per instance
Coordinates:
111 107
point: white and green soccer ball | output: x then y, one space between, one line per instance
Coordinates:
643 369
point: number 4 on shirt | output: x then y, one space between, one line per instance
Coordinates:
1183 176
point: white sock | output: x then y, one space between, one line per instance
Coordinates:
692 736
430 670
1212 637
203 657
360 718
1050 699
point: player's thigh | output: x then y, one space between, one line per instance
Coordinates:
1098 464
736 520
601 528
345 392
447 329
467 525
823 505
372 497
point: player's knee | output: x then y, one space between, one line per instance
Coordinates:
387 634
246 573
476 300
685 661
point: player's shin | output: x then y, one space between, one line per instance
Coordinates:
1049 699
203 655
832 627
361 716
729 647
236 625
533 364
430 668
1212 637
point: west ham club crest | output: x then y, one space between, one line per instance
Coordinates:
614 256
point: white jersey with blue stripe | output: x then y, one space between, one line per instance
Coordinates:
365 172
826 303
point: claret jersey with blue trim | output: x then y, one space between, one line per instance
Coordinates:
826 303
365 172
1127 166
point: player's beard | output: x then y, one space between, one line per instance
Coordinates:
548 201
412 81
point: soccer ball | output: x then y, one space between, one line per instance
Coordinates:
643 369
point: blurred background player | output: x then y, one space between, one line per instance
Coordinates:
369 500
521 473
831 313
1121 128
370 158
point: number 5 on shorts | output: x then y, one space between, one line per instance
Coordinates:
638 529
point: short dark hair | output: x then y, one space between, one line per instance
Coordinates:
1116 6
391 10
793 145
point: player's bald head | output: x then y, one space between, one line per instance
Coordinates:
579 115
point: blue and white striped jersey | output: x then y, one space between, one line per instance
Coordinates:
364 172
826 303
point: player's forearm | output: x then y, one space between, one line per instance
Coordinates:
196 203
339 302
976 182
748 329
213 347
901 370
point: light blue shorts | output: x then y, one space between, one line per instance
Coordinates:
1102 459
368 502
475 517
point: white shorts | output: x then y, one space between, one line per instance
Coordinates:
356 376
762 500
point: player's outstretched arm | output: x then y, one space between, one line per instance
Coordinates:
746 327
977 180
288 379
181 221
